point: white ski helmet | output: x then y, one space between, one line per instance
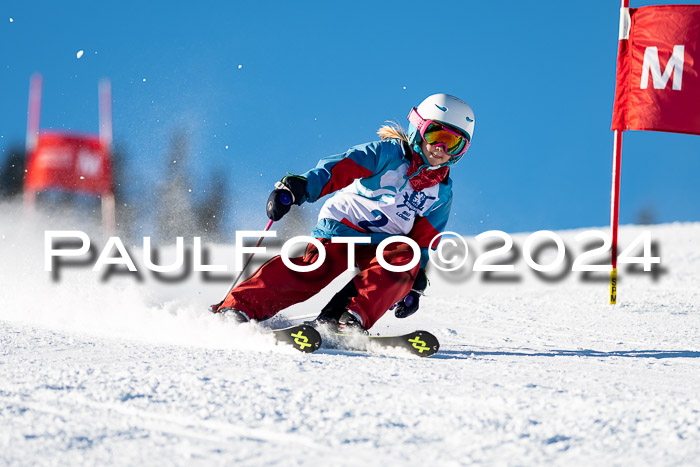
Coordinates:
442 108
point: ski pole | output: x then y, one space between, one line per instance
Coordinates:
286 200
250 258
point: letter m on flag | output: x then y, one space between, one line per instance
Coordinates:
674 66
658 80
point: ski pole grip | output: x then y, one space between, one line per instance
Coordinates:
285 198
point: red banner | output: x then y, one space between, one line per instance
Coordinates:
79 163
658 82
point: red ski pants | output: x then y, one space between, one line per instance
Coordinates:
274 286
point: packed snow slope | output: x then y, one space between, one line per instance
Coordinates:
532 370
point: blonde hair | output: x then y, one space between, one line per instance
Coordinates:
392 130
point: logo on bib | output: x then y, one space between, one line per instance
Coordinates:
415 201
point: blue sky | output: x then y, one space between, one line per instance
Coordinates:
283 84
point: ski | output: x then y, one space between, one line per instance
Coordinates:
420 343
302 337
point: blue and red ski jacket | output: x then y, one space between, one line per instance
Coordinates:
373 196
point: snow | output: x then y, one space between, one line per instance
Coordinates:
79 54
529 372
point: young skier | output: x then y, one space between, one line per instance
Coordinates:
397 186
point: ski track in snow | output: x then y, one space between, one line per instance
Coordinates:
528 373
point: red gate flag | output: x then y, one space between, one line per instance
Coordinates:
658 80
79 163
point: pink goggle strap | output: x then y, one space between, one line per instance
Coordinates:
416 120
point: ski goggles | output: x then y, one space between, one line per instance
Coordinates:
436 134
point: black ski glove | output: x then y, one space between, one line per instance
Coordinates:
410 303
290 190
